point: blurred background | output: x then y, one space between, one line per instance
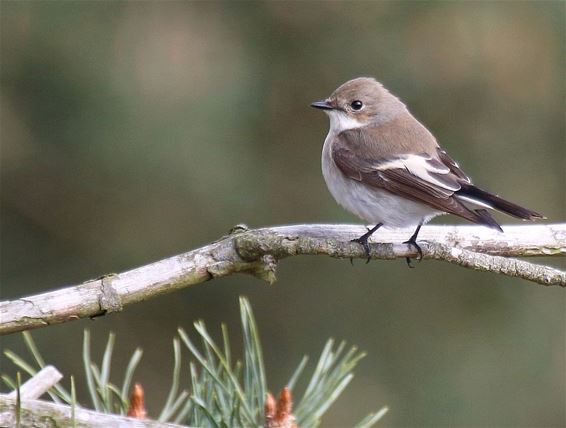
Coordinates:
132 131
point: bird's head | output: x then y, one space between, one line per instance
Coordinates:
360 102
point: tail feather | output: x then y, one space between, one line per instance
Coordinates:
472 192
485 218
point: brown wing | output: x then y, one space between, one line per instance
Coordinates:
419 177
453 165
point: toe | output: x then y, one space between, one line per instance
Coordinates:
408 260
419 250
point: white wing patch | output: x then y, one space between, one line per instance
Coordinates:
475 201
421 167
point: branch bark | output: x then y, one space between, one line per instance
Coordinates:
39 384
44 414
256 251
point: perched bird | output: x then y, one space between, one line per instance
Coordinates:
383 165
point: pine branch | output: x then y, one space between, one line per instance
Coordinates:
257 251
224 392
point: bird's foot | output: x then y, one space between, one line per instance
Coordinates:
363 241
413 243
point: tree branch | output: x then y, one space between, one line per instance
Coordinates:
38 384
256 251
44 414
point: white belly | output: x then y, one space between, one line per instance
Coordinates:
371 204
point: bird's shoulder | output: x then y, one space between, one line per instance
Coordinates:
364 155
401 135
403 143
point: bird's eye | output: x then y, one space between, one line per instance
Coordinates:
357 105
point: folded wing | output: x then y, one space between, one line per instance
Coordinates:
424 177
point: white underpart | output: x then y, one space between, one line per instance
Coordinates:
419 167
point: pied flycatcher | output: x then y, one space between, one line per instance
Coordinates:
383 165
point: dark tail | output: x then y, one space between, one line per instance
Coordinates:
473 193
485 218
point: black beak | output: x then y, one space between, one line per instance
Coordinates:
323 105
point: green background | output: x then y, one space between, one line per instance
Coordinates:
132 131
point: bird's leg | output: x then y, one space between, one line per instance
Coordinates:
363 241
413 242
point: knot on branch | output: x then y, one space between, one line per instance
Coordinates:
253 245
109 299
239 228
265 268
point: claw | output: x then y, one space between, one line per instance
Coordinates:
363 241
417 247
413 242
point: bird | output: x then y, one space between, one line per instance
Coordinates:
380 163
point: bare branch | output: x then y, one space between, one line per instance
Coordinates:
39 384
44 414
257 251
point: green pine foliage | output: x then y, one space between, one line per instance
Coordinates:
218 391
